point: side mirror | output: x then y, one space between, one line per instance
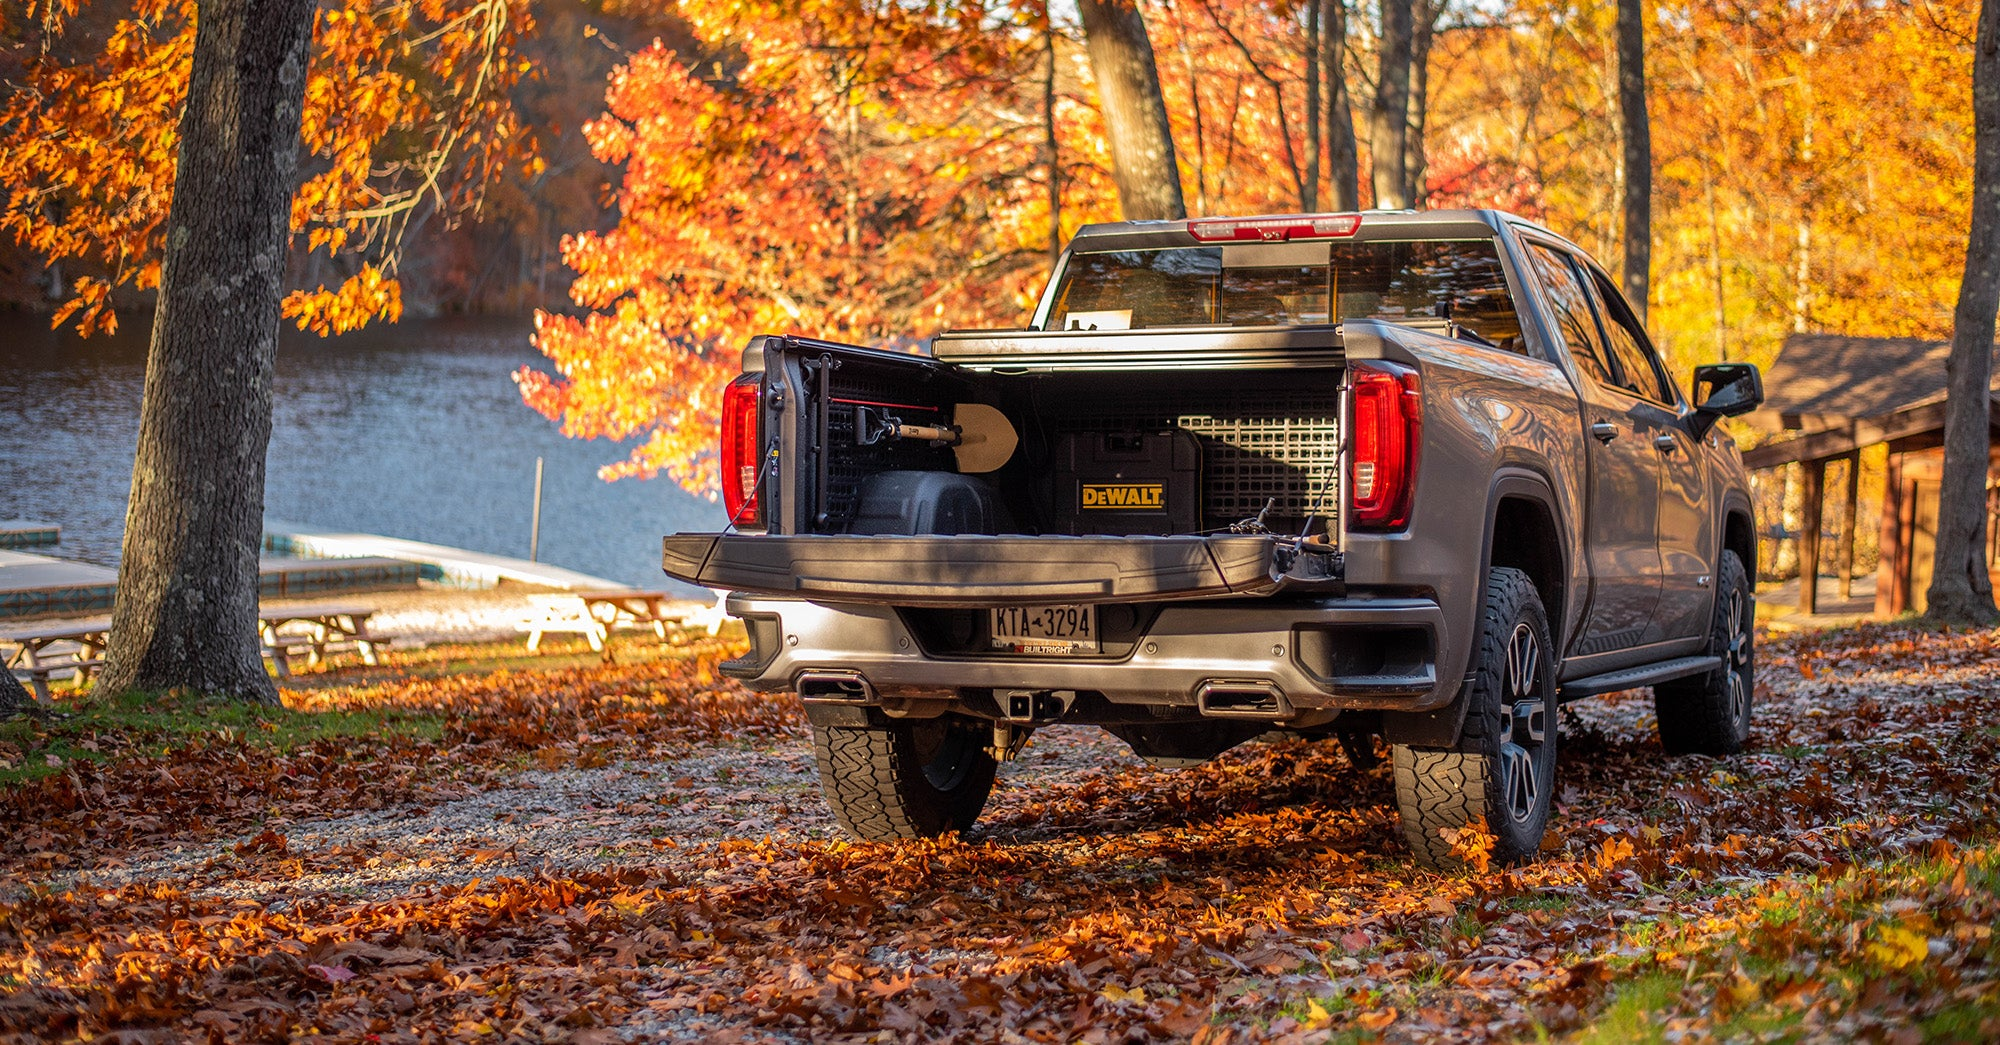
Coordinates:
1724 390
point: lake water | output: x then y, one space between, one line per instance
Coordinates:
411 431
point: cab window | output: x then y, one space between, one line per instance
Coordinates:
1643 375
1571 310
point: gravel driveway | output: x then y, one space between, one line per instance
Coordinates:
559 820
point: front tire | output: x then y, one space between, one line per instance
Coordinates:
1709 714
1502 772
908 779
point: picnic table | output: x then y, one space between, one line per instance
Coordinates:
644 609
315 629
35 652
594 613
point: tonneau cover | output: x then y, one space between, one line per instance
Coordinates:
971 570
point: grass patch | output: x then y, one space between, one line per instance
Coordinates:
1535 902
1632 1016
96 727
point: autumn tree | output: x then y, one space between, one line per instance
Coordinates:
1961 589
1802 150
1135 112
407 121
851 169
1635 131
1258 97
161 150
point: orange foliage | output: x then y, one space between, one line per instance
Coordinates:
407 116
1812 160
849 169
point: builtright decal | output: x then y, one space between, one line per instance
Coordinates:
1124 497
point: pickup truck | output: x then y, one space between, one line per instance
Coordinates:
1416 476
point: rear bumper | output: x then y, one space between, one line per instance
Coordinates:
1310 654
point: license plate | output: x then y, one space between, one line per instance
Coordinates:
1045 629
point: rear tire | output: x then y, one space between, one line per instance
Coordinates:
1709 714
908 779
1501 774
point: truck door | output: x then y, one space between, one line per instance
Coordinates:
1621 527
1686 523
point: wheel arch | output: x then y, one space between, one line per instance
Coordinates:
1739 535
1521 532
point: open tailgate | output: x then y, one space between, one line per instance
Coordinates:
973 570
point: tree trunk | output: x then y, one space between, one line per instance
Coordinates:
1961 590
1135 114
14 697
1638 134
1424 14
1343 161
1389 120
186 609
1051 143
1309 190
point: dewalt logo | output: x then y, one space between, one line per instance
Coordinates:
1125 497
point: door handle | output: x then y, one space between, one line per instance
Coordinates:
1665 443
1605 431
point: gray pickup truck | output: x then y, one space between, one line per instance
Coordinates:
1419 476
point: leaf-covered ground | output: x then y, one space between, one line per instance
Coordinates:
577 852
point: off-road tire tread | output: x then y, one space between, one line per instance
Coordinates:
877 790
1694 712
1440 789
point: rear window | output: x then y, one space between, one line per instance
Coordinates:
1287 284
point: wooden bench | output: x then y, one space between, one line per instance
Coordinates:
36 653
316 630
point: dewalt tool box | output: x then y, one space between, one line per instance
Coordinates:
1125 482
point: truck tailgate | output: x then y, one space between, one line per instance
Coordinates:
975 570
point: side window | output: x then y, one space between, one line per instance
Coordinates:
1643 374
1571 307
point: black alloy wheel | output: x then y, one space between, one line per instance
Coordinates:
1501 774
1709 714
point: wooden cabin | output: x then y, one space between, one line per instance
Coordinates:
1826 399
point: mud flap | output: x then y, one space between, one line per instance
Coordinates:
1438 727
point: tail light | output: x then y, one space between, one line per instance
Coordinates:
742 448
1388 429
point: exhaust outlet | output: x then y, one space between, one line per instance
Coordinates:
1237 699
835 687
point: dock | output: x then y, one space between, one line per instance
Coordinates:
452 566
42 586
28 533
291 578
34 585
298 561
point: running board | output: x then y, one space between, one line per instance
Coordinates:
1643 675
